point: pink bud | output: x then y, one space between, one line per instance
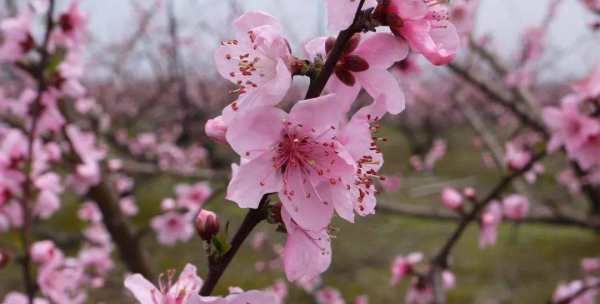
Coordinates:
470 193
452 199
44 252
207 224
216 128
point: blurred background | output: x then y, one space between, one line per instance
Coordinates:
149 65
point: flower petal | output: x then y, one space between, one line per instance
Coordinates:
255 131
141 288
252 180
383 87
382 50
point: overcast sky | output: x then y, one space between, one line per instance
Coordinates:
574 48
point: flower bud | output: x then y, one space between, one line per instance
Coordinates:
470 193
452 199
215 129
4 258
207 224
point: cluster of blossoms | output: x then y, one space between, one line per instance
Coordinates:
420 290
318 161
514 207
583 291
575 125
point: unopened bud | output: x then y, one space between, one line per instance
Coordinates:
452 199
207 224
215 129
4 258
470 193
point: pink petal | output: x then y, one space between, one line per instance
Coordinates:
141 288
382 50
254 19
383 87
252 180
409 9
255 131
305 206
319 113
306 254
252 297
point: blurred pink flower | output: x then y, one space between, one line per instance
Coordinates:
516 207
17 40
173 226
20 298
452 199
489 221
591 264
404 266
329 295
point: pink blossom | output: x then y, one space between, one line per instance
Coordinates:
280 290
590 86
71 26
17 40
329 295
89 212
309 284
62 282
216 128
588 154
257 61
516 158
297 155
364 64
46 252
128 206
452 199
173 226
419 292
193 196
207 224
489 221
48 201
425 26
307 253
516 207
404 266
593 5
98 263
569 127
179 292
19 298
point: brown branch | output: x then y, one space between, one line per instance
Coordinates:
440 261
218 265
578 294
417 212
498 98
316 87
122 235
